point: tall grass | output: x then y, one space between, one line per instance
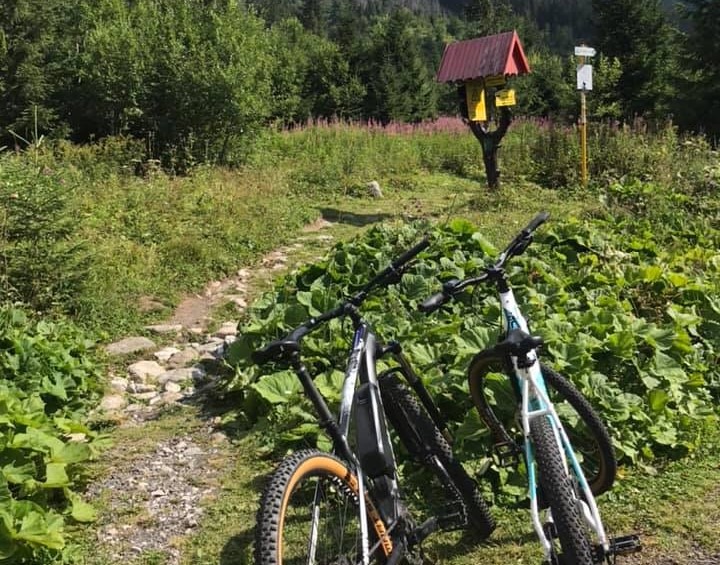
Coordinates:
158 235
331 156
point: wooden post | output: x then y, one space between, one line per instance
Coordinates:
489 140
583 139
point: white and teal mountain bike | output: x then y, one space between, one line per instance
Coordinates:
564 476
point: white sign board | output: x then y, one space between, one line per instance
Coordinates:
584 77
585 51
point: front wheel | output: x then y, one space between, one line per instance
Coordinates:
309 513
559 491
587 432
423 440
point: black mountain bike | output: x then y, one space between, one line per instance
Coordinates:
346 507
567 464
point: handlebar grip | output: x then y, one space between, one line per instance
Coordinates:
431 304
281 348
261 356
412 252
536 222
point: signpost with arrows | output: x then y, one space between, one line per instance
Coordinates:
584 84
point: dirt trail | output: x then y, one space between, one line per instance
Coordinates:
151 484
194 310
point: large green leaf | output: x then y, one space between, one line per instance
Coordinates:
56 476
278 388
81 510
73 452
41 530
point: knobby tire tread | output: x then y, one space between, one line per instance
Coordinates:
268 522
599 482
558 488
411 421
604 479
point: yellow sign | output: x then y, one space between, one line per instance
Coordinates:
505 98
496 80
475 96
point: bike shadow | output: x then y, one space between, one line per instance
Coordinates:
341 216
239 549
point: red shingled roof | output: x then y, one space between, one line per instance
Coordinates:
500 54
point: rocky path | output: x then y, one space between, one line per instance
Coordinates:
169 452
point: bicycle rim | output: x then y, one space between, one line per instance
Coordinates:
310 514
585 429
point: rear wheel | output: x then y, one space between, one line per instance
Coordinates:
423 440
558 489
309 513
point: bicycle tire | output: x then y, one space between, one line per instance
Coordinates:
602 480
280 532
598 463
421 437
557 487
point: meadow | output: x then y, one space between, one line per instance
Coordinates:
96 242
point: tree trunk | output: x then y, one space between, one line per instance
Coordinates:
489 140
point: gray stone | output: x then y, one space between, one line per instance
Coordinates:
171 397
180 375
238 299
228 328
374 189
165 328
172 387
214 348
113 402
145 395
119 384
139 388
129 345
165 353
144 370
182 358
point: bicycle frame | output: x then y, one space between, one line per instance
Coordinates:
535 403
361 365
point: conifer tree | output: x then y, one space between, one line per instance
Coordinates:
637 33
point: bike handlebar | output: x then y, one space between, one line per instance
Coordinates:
536 222
291 342
392 272
516 247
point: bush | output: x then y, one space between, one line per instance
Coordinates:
556 157
639 336
41 263
47 381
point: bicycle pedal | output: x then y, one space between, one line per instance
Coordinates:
623 545
508 453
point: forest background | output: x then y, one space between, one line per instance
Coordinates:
197 81
150 146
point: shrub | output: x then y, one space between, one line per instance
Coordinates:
639 336
41 263
47 380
